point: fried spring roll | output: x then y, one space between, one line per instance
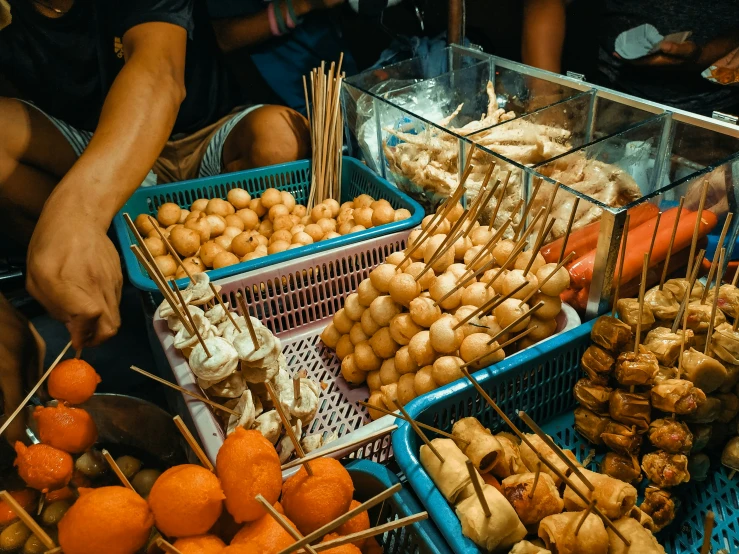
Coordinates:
530 458
509 461
615 498
526 547
531 509
477 443
643 518
451 476
558 533
641 539
496 533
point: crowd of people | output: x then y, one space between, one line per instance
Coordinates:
106 96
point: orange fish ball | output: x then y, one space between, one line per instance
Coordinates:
73 381
266 534
343 549
202 544
69 429
43 467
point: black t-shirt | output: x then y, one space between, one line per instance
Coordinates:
67 65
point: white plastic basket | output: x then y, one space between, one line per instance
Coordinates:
296 300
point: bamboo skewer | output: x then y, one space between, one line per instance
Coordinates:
490 305
190 318
642 286
341 520
27 519
419 432
166 546
719 276
654 237
555 448
478 489
190 440
494 215
288 427
455 233
552 467
707 532
527 208
536 479
183 390
516 321
542 234
247 319
622 256
117 470
373 531
537 245
279 518
559 266
585 515
171 249
683 310
672 242
225 308
569 229
493 350
714 262
696 229
488 246
36 387
402 417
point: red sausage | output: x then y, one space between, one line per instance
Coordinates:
585 239
637 244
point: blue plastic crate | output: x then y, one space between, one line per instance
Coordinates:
540 381
356 179
370 479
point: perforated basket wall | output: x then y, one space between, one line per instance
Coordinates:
370 479
294 177
296 300
540 382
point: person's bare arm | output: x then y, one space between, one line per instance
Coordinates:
233 33
543 34
73 268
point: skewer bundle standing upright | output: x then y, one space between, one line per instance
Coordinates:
322 102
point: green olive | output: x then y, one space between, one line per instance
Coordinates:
54 512
144 480
14 536
91 464
129 465
34 546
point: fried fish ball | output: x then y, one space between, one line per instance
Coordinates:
281 234
557 283
346 227
474 325
299 210
388 373
321 211
266 228
552 305
218 206
363 201
217 225
342 322
375 399
480 236
447 369
353 308
503 250
421 350
369 325
224 259
508 311
185 241
288 200
476 294
516 278
231 232
302 239
444 260
366 293
401 214
383 214
330 336
390 396
144 225
278 246
283 223
276 211
257 207
168 214
545 328
199 205
344 347
233 220
365 357
403 288
373 380
357 335
461 246
523 260
166 265
442 285
333 206
193 265
404 363
402 328
424 312
458 270
445 339
156 246
395 258
415 270
271 197
440 228
381 276
324 225
455 213
423 382
384 309
477 345
470 255
382 343
241 245
239 198
350 372
406 388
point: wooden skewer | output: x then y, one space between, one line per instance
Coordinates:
719 276
516 321
288 427
714 262
642 286
736 276
696 229
542 234
279 518
707 532
527 208
537 245
341 520
488 246
536 479
167 547
296 387
672 243
339 447
569 229
187 435
494 215
36 387
190 318
683 310
478 489
402 417
247 319
117 470
185 391
493 350
490 305
654 237
225 308
622 256
585 515
552 467
454 234
379 530
419 432
27 520
171 249
561 264
482 200
555 448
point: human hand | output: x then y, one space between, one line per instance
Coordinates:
74 271
682 55
22 352
302 7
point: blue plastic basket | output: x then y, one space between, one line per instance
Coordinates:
540 383
370 479
356 179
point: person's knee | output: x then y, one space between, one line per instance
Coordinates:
269 135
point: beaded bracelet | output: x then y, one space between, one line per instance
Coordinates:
292 18
279 17
272 20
